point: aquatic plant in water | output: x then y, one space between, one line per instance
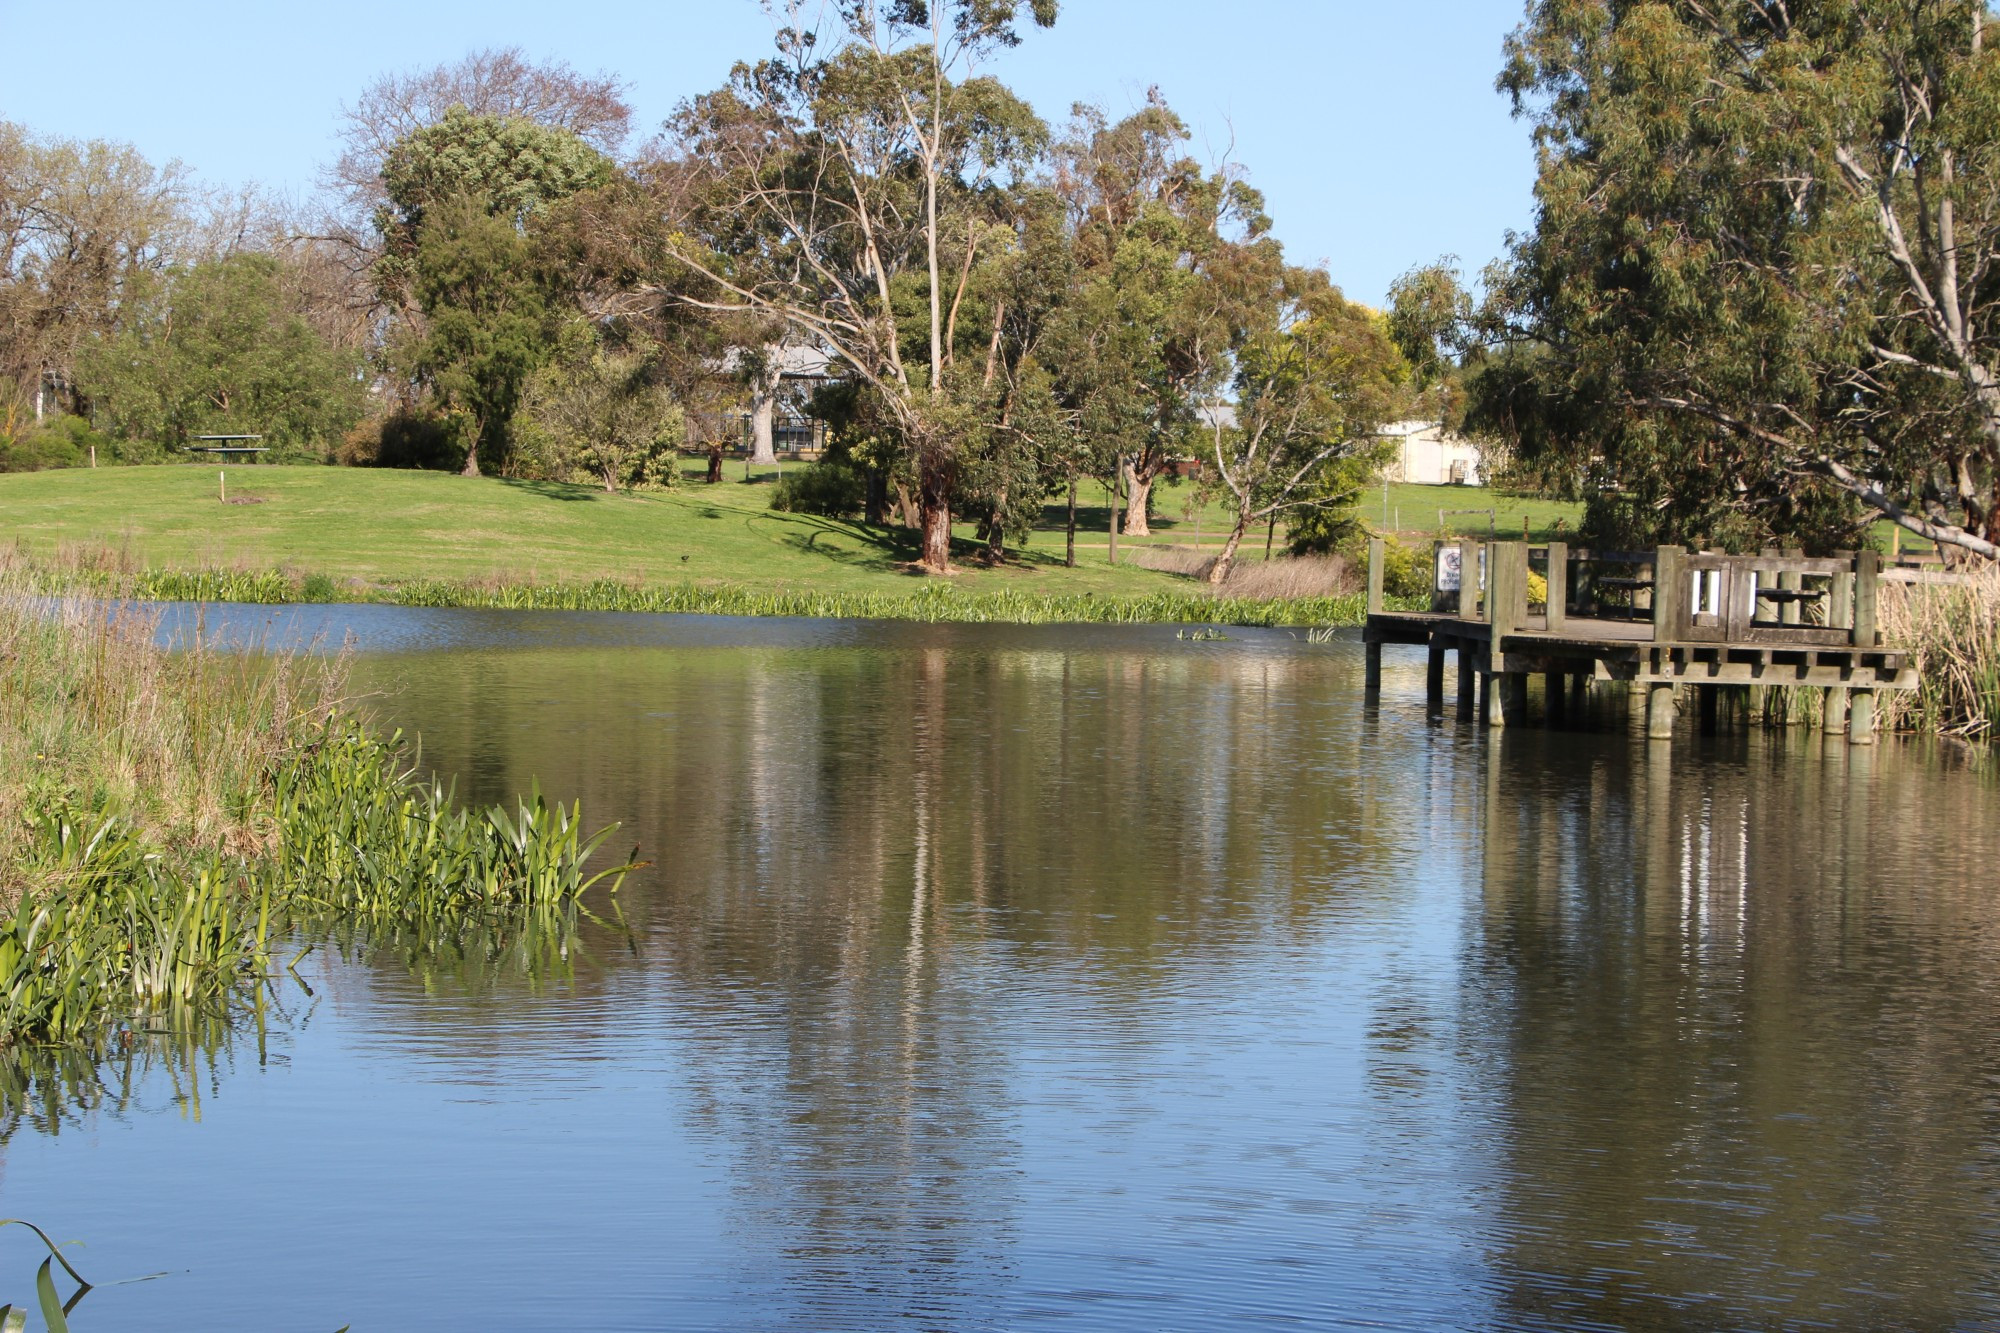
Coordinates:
123 931
55 1310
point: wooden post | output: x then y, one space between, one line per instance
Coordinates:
1371 679
1861 718
1434 678
1579 695
1515 696
1466 683
1670 594
1867 569
1558 580
1840 601
1374 576
1506 587
1833 715
1789 581
222 486
1660 709
1492 708
1468 580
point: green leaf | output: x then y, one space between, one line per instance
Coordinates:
45 1292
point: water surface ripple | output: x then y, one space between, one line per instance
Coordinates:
1088 978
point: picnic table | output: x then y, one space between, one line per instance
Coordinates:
225 445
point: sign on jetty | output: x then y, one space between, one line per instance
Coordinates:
1653 620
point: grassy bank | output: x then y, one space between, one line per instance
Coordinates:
413 538
166 819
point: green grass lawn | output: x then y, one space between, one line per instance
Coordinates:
389 526
375 534
1411 511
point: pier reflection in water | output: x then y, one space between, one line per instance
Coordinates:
994 976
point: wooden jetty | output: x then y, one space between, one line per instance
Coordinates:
1655 621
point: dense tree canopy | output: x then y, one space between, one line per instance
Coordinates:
1758 300
217 348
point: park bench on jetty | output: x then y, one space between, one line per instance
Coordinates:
1650 620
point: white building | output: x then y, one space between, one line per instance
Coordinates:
1429 455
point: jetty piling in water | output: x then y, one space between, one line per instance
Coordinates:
1655 621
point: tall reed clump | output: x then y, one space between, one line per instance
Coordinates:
97 722
1953 631
165 816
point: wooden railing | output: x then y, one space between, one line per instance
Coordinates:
1774 598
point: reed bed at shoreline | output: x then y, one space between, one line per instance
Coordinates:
1953 630
167 817
109 574
94 716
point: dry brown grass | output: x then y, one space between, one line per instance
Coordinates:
1954 632
95 715
1288 577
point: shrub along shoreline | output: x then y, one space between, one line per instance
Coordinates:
169 819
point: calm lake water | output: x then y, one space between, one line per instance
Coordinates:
1002 978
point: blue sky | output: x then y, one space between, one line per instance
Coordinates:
1373 128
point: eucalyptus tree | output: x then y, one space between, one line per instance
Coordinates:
1313 384
1761 284
819 183
1175 266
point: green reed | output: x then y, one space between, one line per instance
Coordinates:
359 834
166 816
930 602
123 932
55 1310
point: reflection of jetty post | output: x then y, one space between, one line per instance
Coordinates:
1657 620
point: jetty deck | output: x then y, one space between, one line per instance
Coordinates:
1660 621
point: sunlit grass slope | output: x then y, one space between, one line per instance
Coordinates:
385 527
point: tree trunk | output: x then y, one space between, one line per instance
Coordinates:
1271 535
906 508
934 497
471 468
1069 533
763 412
1117 472
1223 563
1138 500
996 530
875 508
